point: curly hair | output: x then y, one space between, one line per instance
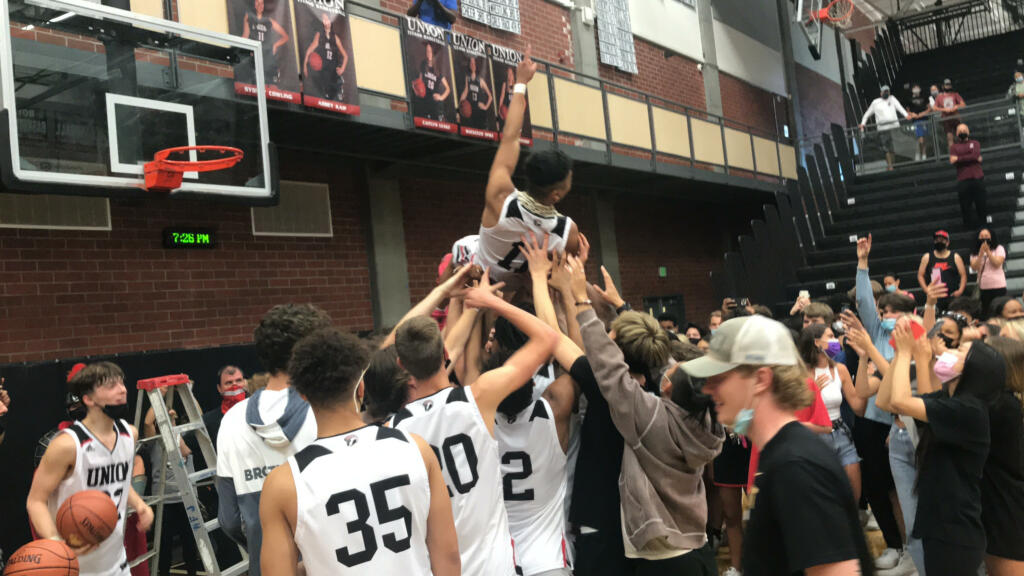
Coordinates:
387 384
326 365
645 346
280 328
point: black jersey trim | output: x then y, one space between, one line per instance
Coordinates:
401 415
457 395
539 411
559 229
384 433
306 456
83 436
513 210
121 428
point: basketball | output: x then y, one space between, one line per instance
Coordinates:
503 111
466 109
315 62
87 517
419 88
43 558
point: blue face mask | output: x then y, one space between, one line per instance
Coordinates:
889 324
1018 79
743 421
890 288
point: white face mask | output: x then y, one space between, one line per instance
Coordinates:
915 92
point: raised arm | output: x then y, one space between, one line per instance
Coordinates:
933 292
562 395
499 182
857 403
901 400
866 307
561 280
428 304
494 386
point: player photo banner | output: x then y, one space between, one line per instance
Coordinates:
325 56
269 22
503 64
428 72
474 88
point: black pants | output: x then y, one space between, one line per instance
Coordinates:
972 191
699 562
175 525
602 554
949 559
987 296
869 437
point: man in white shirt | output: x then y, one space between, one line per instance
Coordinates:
885 109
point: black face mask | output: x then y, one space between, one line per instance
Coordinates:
982 242
694 341
940 246
117 411
963 136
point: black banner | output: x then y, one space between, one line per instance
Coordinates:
428 72
325 56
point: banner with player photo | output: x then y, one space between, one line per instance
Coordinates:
325 56
503 64
270 23
428 72
474 88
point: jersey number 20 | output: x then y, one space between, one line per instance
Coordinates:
378 492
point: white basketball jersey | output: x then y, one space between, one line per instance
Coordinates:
499 245
362 503
534 483
109 471
451 422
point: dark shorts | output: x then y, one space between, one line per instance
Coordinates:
733 464
885 140
949 124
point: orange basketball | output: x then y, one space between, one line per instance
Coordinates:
315 62
43 558
419 88
466 109
87 517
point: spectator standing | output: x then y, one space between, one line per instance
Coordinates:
231 387
805 518
948 103
950 268
1016 91
441 13
886 110
988 259
891 281
965 154
669 323
920 106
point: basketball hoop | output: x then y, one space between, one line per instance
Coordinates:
839 13
163 175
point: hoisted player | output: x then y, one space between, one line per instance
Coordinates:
362 500
510 214
95 453
330 62
261 28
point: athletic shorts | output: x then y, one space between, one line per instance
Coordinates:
921 128
841 442
950 124
885 140
733 464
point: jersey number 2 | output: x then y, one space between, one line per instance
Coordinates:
378 492
527 469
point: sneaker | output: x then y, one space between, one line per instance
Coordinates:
889 559
905 566
730 571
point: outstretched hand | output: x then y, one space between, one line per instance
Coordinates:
536 255
457 281
527 67
584 252
903 337
610 294
935 291
864 247
561 274
483 295
578 278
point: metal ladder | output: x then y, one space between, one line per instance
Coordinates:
161 392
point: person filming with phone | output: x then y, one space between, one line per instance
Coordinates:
945 265
988 259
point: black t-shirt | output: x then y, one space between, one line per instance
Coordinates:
804 514
595 491
949 478
917 104
1002 486
947 268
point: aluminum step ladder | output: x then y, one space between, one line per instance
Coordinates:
161 392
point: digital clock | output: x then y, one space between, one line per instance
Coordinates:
190 238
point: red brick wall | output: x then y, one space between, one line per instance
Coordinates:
545 26
747 104
72 293
821 102
675 78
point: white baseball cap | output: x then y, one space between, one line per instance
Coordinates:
751 341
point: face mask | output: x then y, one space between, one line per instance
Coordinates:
232 395
935 92
694 341
1018 79
889 324
885 95
116 411
945 367
915 92
743 421
947 341
713 330
834 348
940 246
890 288
963 136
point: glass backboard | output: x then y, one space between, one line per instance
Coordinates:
90 93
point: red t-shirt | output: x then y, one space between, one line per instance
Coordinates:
967 165
815 414
947 101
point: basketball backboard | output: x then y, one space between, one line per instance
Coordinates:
90 93
810 26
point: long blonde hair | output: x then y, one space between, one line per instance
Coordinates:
1012 352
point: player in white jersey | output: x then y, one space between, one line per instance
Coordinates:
95 453
360 500
458 422
509 213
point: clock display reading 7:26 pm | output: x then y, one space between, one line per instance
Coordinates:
190 238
